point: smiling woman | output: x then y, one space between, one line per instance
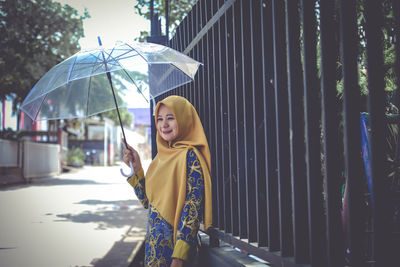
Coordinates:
166 124
177 187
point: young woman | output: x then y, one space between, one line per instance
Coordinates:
177 186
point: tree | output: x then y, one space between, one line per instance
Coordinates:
178 9
388 44
35 35
126 117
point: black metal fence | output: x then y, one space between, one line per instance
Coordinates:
280 98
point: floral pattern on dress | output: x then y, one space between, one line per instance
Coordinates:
159 245
159 240
193 209
140 191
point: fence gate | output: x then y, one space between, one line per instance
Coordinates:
280 96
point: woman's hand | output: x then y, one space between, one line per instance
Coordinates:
131 155
176 262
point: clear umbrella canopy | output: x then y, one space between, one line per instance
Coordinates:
78 87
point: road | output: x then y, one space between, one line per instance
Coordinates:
73 219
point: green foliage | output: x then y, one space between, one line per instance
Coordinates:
126 117
389 68
35 35
392 139
76 156
388 43
143 36
389 55
119 79
178 9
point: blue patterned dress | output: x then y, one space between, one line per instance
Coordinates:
160 247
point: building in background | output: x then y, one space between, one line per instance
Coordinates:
142 126
8 119
99 139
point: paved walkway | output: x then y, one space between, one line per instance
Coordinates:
88 217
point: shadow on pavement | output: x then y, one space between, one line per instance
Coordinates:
129 251
110 214
116 214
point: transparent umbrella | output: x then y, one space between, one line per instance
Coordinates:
97 80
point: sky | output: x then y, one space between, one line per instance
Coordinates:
112 20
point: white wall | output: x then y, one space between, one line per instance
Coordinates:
8 153
41 160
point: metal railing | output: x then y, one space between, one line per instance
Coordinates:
282 143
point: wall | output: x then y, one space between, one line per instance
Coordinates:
40 160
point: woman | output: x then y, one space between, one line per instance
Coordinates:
177 187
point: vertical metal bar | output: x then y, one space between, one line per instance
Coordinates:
396 13
205 67
282 118
351 105
297 145
313 135
190 26
195 50
153 130
198 48
239 112
248 122
192 31
167 19
203 53
259 124
270 129
196 20
330 121
179 39
206 75
216 121
225 131
184 34
152 26
231 87
381 211
174 40
170 42
199 77
178 42
186 30
212 140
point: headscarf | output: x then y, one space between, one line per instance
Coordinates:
166 175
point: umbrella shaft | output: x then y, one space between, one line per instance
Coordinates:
116 105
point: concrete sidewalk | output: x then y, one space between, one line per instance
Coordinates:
88 217
123 252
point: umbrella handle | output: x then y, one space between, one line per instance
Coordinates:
131 173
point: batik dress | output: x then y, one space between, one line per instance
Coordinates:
159 245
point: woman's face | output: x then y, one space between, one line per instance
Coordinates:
167 125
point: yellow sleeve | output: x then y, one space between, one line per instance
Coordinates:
181 250
134 179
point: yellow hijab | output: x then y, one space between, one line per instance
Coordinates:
166 176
